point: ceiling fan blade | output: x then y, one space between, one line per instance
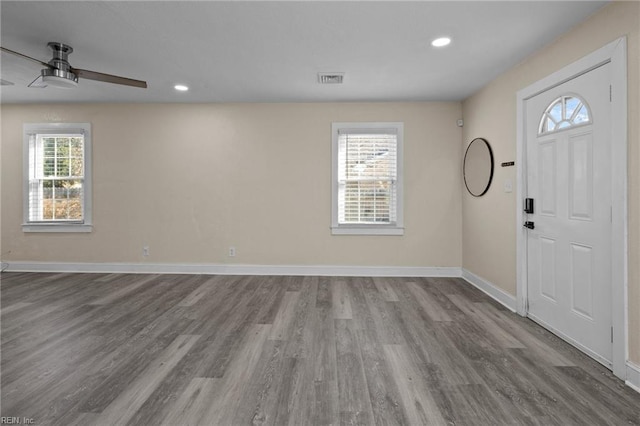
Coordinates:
13 52
38 83
108 78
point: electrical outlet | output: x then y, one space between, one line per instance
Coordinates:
145 251
232 252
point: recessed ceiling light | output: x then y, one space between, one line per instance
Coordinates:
441 42
181 87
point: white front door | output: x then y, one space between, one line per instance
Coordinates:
568 148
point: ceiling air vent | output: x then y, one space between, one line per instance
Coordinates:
330 77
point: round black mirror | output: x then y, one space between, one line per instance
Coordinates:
478 167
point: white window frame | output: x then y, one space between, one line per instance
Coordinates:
367 229
86 225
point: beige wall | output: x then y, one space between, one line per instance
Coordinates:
192 180
489 239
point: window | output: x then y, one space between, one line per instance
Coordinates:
563 113
57 183
367 178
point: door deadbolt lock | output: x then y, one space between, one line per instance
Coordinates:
529 225
528 205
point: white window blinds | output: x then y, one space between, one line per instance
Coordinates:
367 176
56 177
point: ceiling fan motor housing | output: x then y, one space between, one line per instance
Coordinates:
60 73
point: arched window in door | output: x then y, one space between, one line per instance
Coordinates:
563 113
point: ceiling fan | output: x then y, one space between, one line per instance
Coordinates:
59 73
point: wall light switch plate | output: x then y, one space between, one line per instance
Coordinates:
508 186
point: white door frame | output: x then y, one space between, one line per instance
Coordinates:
614 53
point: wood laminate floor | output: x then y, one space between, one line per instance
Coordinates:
123 349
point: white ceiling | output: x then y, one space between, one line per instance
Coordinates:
265 51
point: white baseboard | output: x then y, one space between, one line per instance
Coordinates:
493 291
213 269
633 376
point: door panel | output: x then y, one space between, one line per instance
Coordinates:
569 177
548 167
582 280
547 267
581 177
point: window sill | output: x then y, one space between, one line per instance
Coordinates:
56 228
367 230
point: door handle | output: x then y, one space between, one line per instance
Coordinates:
529 225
